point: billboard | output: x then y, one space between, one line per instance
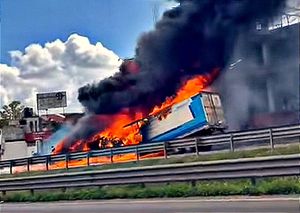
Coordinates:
51 100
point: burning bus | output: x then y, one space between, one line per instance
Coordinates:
191 117
190 112
197 115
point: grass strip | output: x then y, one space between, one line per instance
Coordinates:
267 186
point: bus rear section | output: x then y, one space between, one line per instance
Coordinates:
195 116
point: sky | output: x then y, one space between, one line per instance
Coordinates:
58 45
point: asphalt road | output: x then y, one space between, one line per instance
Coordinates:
274 205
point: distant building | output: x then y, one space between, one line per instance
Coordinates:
261 86
13 144
26 137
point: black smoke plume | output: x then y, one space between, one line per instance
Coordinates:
193 38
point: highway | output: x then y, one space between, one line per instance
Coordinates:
241 205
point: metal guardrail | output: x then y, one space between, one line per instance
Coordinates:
269 137
286 165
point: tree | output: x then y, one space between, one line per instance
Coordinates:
12 111
3 123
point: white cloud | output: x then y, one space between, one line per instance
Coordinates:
169 4
55 66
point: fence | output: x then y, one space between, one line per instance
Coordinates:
287 165
269 137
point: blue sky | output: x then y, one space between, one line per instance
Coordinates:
115 23
59 39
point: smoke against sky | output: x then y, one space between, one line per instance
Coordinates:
23 26
195 37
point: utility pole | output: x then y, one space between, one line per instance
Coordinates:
0 30
1 98
155 11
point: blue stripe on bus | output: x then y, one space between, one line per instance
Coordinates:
199 121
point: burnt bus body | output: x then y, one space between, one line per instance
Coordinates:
199 115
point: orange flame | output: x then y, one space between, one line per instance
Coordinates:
84 162
115 131
59 147
191 87
116 135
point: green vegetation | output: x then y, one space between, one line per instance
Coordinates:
291 149
12 111
269 186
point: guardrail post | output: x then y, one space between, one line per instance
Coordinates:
196 146
166 150
3 193
47 162
271 139
67 161
11 165
88 155
253 181
31 192
231 143
111 155
137 153
28 164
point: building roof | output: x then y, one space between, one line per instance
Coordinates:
57 118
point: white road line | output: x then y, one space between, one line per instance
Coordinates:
188 200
